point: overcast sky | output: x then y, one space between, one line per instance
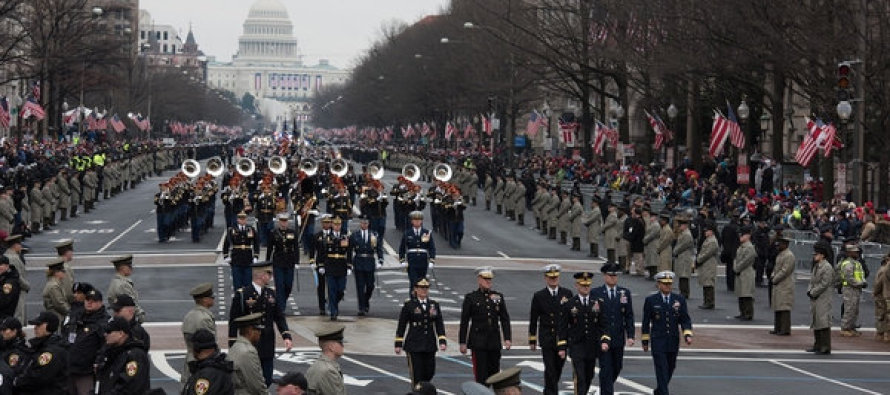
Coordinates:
339 30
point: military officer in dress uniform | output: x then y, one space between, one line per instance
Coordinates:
417 250
65 250
422 318
367 248
240 250
324 376
582 329
121 284
782 280
819 292
337 265
257 297
284 253
198 318
743 265
546 307
706 265
616 310
340 205
483 317
54 300
664 316
248 376
684 254
317 257
210 373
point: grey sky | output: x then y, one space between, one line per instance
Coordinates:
339 30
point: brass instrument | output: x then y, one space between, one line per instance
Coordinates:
339 167
246 167
191 168
442 172
375 169
277 165
309 166
215 166
411 172
304 214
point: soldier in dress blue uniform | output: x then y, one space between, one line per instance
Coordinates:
373 207
284 253
618 314
417 251
257 297
664 316
240 250
366 245
340 205
582 329
422 317
483 317
317 257
546 308
265 204
337 265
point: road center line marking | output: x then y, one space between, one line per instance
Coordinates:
118 237
159 361
833 381
386 372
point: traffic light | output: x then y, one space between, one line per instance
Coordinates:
844 81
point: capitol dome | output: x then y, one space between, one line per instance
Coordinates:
268 35
268 9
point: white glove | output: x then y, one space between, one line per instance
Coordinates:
380 263
312 266
348 272
255 260
321 271
437 201
431 264
458 203
313 212
324 191
403 264
227 260
384 197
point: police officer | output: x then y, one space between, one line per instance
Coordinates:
417 250
616 309
366 245
546 307
126 368
317 257
198 318
240 250
324 375
422 318
284 252
664 316
13 348
248 377
83 329
47 370
337 266
9 285
582 329
210 372
483 317
257 297
124 306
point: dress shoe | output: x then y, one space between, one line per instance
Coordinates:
774 332
322 312
811 349
333 318
706 307
361 313
783 334
817 352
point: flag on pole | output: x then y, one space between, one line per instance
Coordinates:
486 125
809 145
4 112
662 133
31 108
535 122
599 139
567 134
719 134
117 124
736 136
830 141
35 90
449 130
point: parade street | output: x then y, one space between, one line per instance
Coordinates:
728 355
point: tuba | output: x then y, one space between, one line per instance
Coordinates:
191 168
309 166
245 167
375 169
411 172
277 164
339 167
442 172
215 166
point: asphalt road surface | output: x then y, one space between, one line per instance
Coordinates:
728 356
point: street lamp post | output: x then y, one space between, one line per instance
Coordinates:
672 112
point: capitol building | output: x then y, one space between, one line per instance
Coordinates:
269 66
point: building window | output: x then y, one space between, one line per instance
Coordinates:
158 35
174 48
142 34
165 48
165 36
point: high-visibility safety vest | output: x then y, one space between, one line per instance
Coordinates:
858 273
99 159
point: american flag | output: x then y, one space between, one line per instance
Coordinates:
469 131
662 133
117 124
809 145
535 122
425 130
102 123
599 139
31 108
719 134
568 132
93 123
35 90
831 141
4 112
449 130
486 125
736 136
